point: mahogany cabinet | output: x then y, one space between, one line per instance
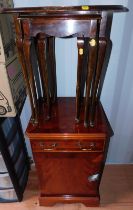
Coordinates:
69 136
69 157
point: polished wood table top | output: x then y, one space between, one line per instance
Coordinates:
62 122
85 9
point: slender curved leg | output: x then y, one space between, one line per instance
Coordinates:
80 45
19 43
41 44
90 74
27 54
101 56
52 65
84 67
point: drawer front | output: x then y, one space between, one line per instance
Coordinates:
68 145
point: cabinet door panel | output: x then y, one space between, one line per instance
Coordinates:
68 173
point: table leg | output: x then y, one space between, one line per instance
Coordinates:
52 67
41 44
80 45
101 56
19 43
31 77
90 76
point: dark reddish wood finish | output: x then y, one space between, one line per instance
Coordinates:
27 57
74 145
62 122
101 55
92 63
37 11
67 173
52 67
69 156
42 58
45 23
19 43
80 45
40 43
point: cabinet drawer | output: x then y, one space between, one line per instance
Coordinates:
67 145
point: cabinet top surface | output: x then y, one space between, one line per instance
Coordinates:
63 122
85 9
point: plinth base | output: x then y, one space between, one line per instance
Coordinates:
51 201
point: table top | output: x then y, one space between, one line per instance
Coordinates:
50 10
62 122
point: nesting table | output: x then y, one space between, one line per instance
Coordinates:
69 135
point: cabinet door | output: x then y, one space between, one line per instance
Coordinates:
67 173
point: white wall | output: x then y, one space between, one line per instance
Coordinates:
117 97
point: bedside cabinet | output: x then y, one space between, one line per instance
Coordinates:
69 158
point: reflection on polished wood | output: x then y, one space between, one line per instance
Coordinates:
63 122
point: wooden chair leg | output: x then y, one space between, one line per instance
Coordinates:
80 45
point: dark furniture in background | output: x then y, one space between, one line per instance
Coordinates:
69 136
14 153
